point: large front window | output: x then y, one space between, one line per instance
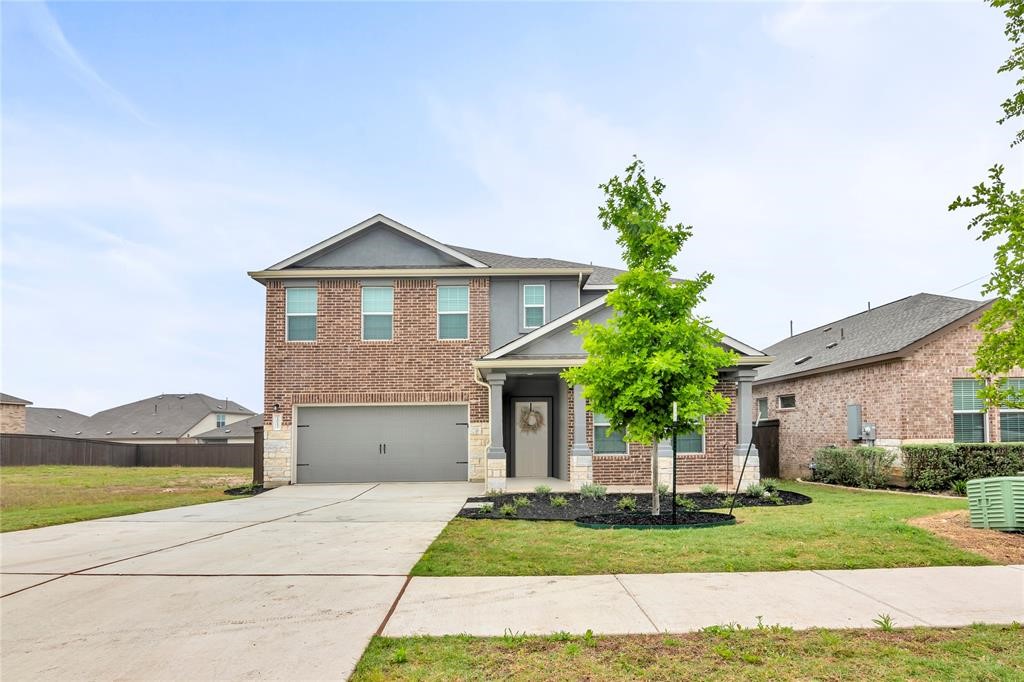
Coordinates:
1011 421
533 305
453 312
300 313
378 313
606 441
690 441
968 412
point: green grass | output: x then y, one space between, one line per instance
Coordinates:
840 529
36 496
975 653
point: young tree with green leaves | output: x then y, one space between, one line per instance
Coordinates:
1001 217
655 350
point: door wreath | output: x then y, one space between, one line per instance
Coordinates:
530 420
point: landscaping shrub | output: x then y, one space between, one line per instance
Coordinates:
593 491
755 490
709 489
686 504
663 488
521 501
861 467
627 503
508 509
542 489
558 501
938 466
771 484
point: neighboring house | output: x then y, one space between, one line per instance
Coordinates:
53 421
391 356
905 366
165 418
12 413
235 432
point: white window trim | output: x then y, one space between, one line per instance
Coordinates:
703 442
437 301
778 402
221 420
543 306
1006 410
983 413
757 406
593 436
316 306
363 314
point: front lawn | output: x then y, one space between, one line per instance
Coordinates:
975 653
36 496
840 529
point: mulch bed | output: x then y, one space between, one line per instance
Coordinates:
541 509
640 520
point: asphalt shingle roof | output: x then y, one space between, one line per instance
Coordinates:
503 260
236 429
886 329
8 399
169 415
53 421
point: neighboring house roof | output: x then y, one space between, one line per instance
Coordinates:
238 429
169 415
53 421
602 278
502 260
870 336
8 399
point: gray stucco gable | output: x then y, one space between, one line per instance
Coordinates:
380 246
561 342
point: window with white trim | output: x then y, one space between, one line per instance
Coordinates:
762 408
690 441
453 312
534 302
378 313
300 313
787 402
221 421
1011 420
968 411
606 441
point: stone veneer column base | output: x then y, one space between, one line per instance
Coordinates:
479 437
581 470
753 471
495 475
277 458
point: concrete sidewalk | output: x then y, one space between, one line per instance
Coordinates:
679 602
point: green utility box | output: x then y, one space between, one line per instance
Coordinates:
997 502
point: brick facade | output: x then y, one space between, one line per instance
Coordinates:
339 368
714 465
12 418
908 399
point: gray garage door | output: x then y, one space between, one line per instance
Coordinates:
392 443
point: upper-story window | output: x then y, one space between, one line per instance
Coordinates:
453 312
534 301
300 311
378 313
968 411
221 421
1011 420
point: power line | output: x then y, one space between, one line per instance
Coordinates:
976 279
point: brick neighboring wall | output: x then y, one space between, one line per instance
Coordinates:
12 418
714 465
339 367
908 399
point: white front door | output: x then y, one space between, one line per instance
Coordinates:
530 425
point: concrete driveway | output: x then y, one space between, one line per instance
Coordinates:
290 584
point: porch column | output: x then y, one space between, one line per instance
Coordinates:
745 430
581 463
495 465
665 472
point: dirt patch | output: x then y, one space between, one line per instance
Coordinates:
955 526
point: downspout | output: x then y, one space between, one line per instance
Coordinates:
579 291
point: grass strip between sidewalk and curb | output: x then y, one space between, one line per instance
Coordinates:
725 653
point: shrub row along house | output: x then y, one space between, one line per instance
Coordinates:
894 375
391 356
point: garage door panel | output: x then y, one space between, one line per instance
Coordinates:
382 443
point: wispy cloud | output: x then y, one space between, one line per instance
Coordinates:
49 33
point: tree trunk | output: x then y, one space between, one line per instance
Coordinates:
655 497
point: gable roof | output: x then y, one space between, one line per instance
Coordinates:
53 421
238 429
8 399
379 219
169 415
583 311
869 336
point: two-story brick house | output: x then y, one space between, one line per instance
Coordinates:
904 367
393 357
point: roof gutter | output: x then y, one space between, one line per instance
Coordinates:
311 273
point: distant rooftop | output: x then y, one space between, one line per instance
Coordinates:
8 399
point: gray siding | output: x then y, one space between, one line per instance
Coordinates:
562 341
380 247
588 296
507 306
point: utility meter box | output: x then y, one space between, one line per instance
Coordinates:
997 502
853 422
868 432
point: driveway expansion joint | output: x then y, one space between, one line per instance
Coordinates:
871 597
637 602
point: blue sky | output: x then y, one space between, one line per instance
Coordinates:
153 153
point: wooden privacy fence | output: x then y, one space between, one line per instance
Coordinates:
766 440
18 449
